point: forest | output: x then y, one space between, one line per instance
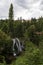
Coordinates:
30 32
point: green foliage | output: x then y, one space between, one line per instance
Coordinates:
31 56
18 29
5 27
11 28
11 12
31 33
33 21
11 21
39 24
5 42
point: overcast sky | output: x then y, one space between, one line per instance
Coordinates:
22 8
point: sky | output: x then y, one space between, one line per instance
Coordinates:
26 9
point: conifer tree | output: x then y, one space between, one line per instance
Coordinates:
11 21
11 12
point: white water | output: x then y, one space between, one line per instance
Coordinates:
17 42
13 43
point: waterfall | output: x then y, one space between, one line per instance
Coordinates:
16 42
13 47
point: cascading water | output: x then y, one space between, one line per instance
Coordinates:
17 45
13 47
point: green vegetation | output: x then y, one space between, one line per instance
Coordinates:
31 56
30 32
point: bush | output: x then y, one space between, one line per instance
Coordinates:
5 45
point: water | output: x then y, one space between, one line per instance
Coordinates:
16 42
18 45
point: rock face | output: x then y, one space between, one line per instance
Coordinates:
17 46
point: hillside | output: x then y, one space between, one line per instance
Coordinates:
31 55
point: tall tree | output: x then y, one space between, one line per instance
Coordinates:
11 12
11 21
